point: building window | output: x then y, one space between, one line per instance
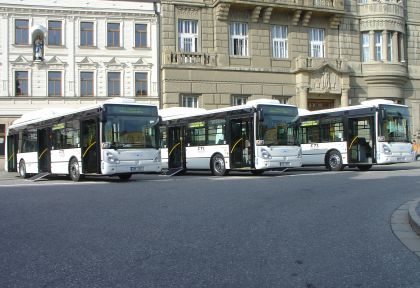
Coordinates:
141 84
86 34
54 83
2 139
114 84
141 36
389 44
21 32
238 39
190 101
239 100
86 84
316 43
279 41
365 47
21 80
378 45
54 33
113 35
187 35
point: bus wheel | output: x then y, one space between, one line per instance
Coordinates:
364 167
74 170
125 176
257 172
218 167
334 161
22 169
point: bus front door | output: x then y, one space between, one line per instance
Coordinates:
44 150
12 148
361 142
90 146
176 148
241 152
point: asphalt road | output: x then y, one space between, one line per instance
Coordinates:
303 228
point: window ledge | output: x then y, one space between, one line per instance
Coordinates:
88 47
22 45
56 46
142 48
114 48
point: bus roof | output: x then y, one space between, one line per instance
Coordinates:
51 113
183 112
365 104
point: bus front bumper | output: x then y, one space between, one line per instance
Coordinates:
277 163
124 167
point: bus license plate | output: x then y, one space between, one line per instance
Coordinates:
284 164
137 169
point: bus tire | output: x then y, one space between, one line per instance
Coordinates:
74 170
22 169
364 167
334 161
125 177
257 172
217 165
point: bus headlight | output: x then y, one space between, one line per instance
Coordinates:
265 154
387 150
111 158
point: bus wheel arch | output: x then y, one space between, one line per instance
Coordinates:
218 165
74 170
334 160
22 169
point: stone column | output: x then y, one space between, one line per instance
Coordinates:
303 97
402 47
371 45
344 97
384 43
395 47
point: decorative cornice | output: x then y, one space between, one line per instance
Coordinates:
382 24
188 11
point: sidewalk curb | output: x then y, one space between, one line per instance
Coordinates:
413 218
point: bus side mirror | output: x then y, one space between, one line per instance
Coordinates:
103 116
260 115
383 114
160 119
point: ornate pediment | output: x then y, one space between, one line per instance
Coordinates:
20 60
114 63
87 62
55 61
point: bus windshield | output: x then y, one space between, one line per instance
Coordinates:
130 127
395 125
279 125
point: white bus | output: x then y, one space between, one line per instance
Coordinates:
118 137
258 136
375 132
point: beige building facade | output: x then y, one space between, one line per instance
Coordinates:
311 53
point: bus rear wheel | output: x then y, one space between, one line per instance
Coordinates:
218 167
74 170
125 176
22 169
364 167
334 161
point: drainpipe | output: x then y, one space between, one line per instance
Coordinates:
157 6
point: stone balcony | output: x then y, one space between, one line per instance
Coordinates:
385 72
382 8
189 58
302 10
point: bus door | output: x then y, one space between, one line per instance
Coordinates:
44 150
241 144
90 146
12 148
361 142
176 147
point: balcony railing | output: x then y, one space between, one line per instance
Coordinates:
190 58
373 8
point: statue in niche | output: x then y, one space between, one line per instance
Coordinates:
39 49
325 80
